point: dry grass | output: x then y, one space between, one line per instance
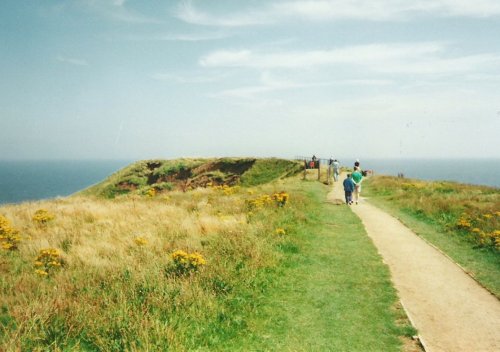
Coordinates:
115 283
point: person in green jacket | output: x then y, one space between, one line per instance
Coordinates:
357 177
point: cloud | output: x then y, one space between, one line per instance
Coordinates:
325 10
115 10
72 61
190 14
418 58
181 37
186 78
268 83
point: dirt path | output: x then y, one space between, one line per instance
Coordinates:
450 310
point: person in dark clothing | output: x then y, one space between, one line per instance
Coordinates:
348 189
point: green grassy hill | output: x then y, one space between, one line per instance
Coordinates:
185 174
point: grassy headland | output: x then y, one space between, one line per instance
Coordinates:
462 220
154 176
219 268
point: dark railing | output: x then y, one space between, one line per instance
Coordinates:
315 163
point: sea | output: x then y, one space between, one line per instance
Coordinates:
484 172
35 180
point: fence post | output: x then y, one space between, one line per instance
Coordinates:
319 170
305 169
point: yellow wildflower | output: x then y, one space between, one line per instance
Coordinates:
140 241
280 231
43 216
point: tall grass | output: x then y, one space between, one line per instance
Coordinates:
462 220
118 290
114 292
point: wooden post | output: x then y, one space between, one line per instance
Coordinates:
328 174
319 170
305 169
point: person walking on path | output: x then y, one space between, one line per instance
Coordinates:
336 169
348 189
357 177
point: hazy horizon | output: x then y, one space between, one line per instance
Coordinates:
133 80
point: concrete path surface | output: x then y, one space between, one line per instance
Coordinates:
451 311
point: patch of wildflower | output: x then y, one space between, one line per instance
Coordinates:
140 241
481 228
151 192
463 223
280 231
185 263
9 236
227 190
48 261
281 198
260 202
42 216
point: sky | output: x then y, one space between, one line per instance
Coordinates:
130 79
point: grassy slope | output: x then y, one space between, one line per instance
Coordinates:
433 216
332 291
267 170
320 287
262 171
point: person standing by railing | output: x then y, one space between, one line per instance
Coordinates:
336 170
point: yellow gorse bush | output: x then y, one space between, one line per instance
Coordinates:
48 261
9 236
43 216
279 199
280 231
184 263
151 192
227 190
140 241
482 228
463 223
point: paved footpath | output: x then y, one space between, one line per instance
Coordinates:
451 311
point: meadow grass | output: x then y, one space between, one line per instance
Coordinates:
267 170
296 276
332 291
461 220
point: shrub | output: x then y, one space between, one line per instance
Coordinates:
185 263
42 216
279 199
140 241
227 190
48 261
9 236
280 231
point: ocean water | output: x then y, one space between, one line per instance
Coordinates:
33 180
472 171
